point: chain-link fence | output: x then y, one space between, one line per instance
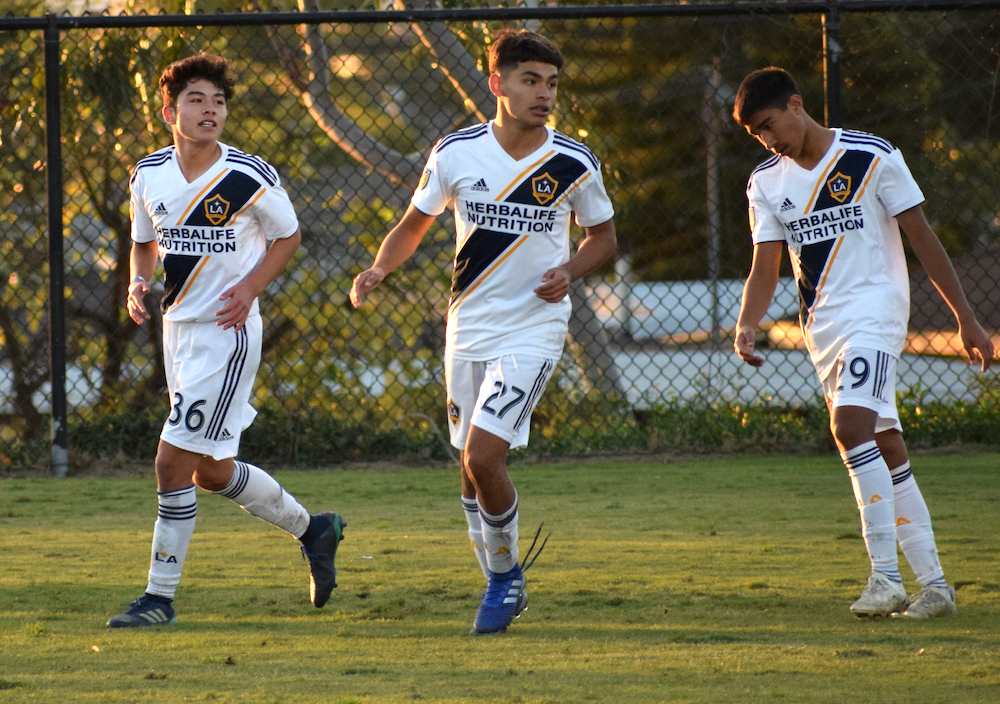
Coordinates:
347 109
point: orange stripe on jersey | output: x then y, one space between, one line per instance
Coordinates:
822 179
819 289
247 206
570 190
194 275
522 240
871 172
518 178
200 194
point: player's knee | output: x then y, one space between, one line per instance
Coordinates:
850 435
482 465
213 475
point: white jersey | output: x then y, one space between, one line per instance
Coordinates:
211 232
512 219
847 255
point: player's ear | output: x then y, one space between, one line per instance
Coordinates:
169 113
795 103
495 87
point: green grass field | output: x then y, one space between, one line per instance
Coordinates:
717 581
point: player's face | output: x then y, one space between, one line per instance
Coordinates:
528 92
200 112
780 131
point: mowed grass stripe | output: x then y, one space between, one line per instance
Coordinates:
719 580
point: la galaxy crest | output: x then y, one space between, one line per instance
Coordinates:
543 188
423 179
454 412
840 187
216 209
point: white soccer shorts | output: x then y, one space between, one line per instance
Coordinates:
210 376
866 378
497 396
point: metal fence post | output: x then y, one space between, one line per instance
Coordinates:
831 64
57 307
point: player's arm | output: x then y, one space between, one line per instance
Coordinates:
239 298
599 243
757 294
934 259
142 265
398 246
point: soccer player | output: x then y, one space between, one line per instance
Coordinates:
513 183
210 211
838 199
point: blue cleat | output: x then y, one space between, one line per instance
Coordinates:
322 573
505 598
144 612
506 594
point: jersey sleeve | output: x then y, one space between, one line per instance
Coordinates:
433 193
592 205
142 224
764 224
897 190
275 213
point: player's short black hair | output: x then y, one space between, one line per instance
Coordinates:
761 90
209 67
512 46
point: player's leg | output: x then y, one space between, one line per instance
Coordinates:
914 531
175 522
463 378
475 522
501 421
853 394
260 495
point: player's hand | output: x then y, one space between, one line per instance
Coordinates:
239 300
365 282
137 290
744 345
555 285
978 345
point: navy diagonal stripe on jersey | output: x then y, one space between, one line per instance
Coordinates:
812 262
233 372
568 143
564 169
479 251
853 164
265 170
236 188
536 390
176 270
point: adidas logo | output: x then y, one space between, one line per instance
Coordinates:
480 185
224 435
161 209
787 205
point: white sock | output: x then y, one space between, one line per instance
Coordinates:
175 519
873 492
471 507
500 538
913 528
260 495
